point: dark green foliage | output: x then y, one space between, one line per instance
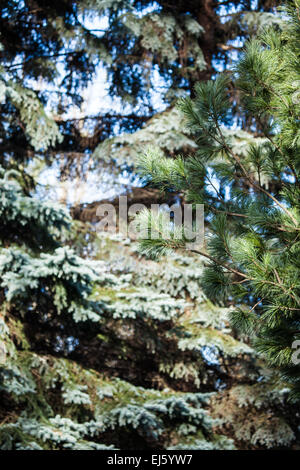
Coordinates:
53 48
253 246
100 347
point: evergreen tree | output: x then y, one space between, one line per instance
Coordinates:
49 305
55 49
100 347
253 246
